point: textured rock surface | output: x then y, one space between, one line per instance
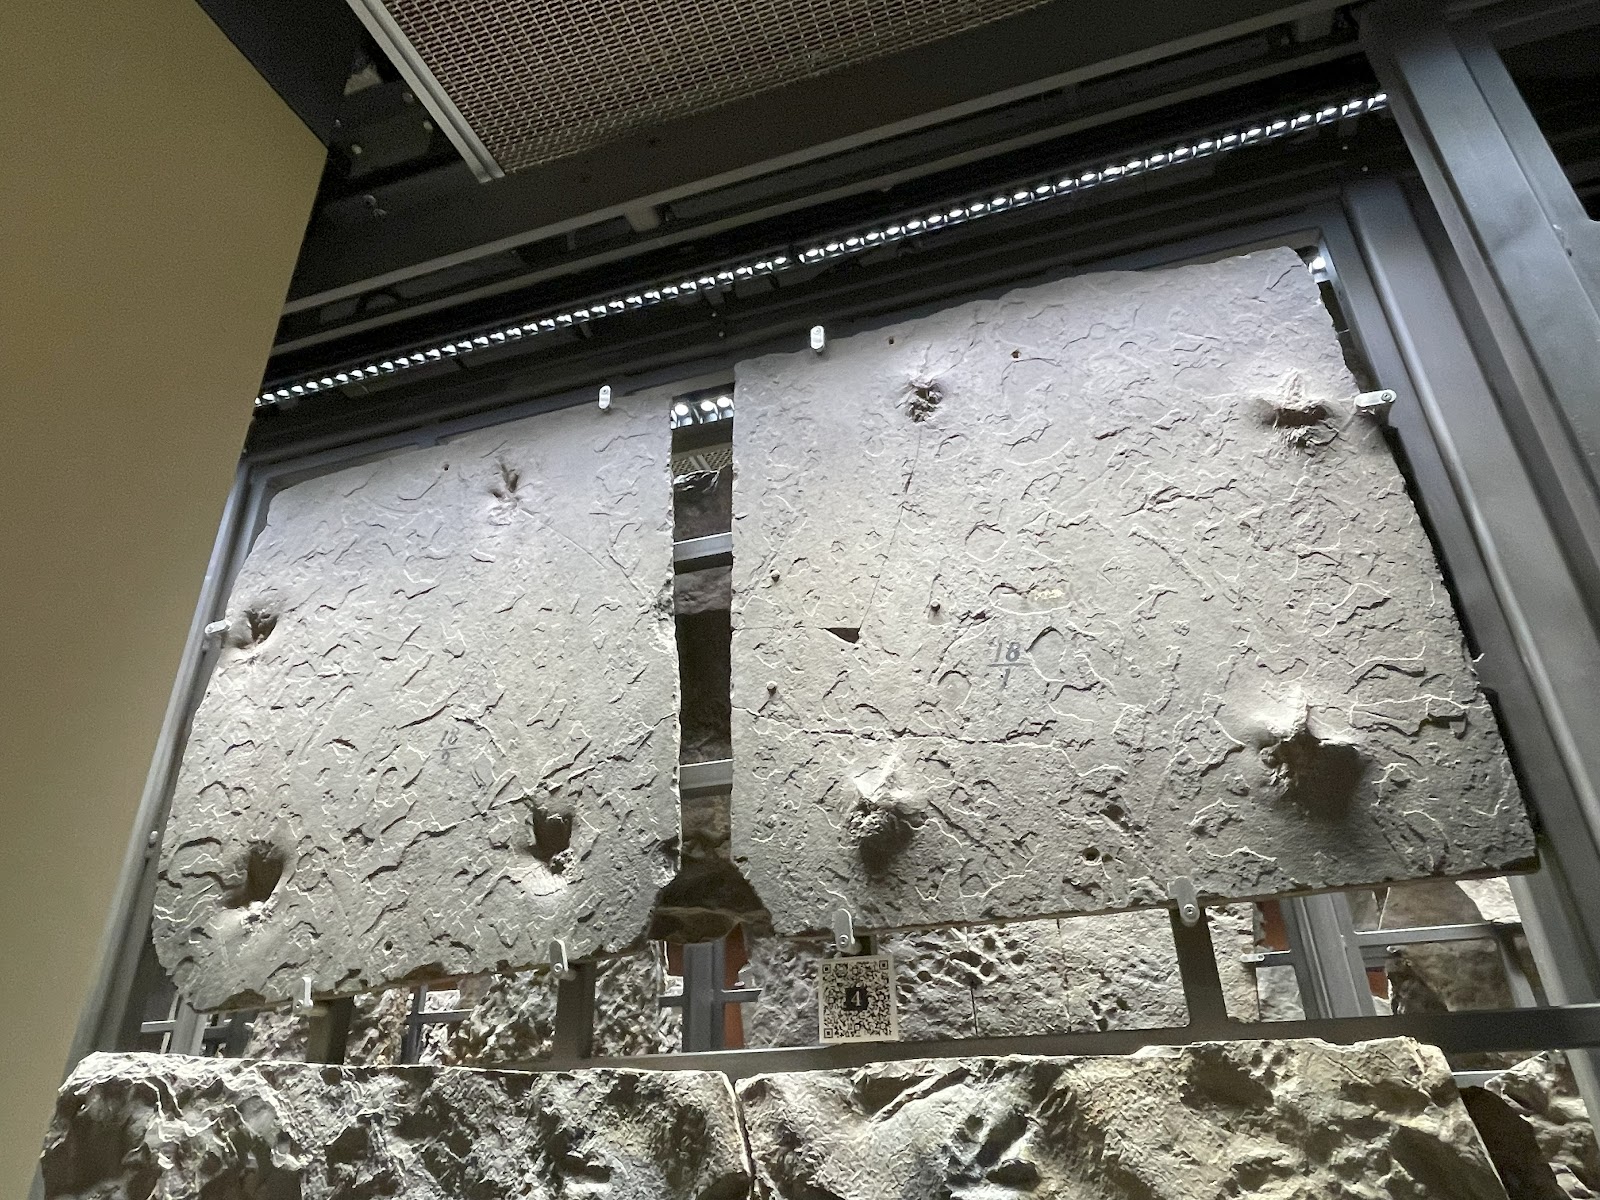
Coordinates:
1104 972
149 1126
1543 1093
514 1018
511 1020
1112 971
1043 603
1285 1121
443 728
377 1027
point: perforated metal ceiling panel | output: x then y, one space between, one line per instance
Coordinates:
536 80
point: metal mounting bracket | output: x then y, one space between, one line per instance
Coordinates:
1182 890
1376 403
844 931
559 962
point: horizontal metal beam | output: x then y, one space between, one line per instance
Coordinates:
444 1016
1410 935
1515 1029
705 778
1052 47
701 553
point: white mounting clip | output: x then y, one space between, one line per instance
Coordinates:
1375 403
1182 890
819 338
559 963
605 397
302 998
844 931
217 628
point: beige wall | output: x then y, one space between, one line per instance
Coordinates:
153 190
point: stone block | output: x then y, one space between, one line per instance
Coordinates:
443 728
169 1127
1043 603
1270 1120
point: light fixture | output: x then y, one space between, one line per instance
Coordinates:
847 245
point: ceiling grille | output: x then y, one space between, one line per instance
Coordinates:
537 80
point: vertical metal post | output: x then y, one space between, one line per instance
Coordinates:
105 1022
573 1037
1529 253
1522 601
1549 941
411 1039
329 1030
1327 960
188 1029
1197 967
703 965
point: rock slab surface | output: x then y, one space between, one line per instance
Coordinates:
170 1127
1108 971
1044 603
1285 1121
443 729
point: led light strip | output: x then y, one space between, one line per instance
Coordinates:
843 246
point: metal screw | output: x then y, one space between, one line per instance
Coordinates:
772 685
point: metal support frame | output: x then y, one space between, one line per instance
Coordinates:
1530 1029
1197 968
1528 251
328 1030
573 1037
1376 944
1520 599
1328 966
1523 603
704 998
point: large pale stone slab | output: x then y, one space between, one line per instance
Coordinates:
443 729
168 1127
1278 1120
1043 603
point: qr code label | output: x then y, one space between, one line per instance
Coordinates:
855 999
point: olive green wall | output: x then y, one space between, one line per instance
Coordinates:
153 192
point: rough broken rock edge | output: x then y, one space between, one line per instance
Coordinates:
1295 1119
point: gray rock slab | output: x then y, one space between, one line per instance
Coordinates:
1278 1120
1108 971
1043 603
169 1127
443 728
